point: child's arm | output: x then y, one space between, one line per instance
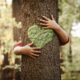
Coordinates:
27 50
51 24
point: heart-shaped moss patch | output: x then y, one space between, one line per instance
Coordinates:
40 36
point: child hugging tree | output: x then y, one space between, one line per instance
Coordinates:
47 23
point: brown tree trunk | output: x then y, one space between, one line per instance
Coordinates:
16 33
47 65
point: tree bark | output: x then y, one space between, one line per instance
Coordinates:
16 33
47 65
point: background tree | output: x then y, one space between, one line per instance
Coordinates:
46 66
69 14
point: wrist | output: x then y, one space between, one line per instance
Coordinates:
56 27
17 49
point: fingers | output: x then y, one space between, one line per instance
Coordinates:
44 17
30 44
35 55
36 51
52 17
32 56
43 21
35 48
43 24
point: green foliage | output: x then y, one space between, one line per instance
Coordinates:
40 36
70 12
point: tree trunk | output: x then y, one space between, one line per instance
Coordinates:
47 65
16 33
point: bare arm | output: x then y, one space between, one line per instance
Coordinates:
51 24
27 50
62 35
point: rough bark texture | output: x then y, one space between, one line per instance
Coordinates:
47 65
16 33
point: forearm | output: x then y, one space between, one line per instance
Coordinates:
18 50
62 35
51 24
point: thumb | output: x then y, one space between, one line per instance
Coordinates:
30 44
52 17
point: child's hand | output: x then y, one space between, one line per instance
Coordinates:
48 23
51 24
31 51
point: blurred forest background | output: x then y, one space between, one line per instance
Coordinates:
69 19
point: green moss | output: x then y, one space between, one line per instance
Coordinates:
40 36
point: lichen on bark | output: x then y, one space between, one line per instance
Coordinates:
40 36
